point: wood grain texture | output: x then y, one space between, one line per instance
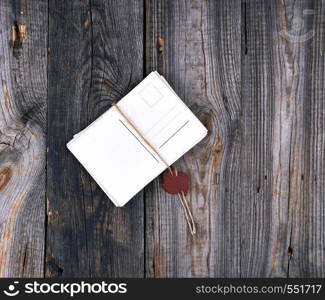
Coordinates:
282 145
95 58
266 142
196 46
244 68
23 88
252 71
290 83
308 207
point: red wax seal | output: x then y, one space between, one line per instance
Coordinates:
174 184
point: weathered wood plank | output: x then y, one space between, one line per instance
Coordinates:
265 164
196 46
280 132
255 201
95 58
308 170
23 90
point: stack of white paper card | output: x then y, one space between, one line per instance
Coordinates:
118 158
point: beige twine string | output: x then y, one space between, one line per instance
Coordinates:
181 196
188 214
144 139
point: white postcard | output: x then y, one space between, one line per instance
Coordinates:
118 158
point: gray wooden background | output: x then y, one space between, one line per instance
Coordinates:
252 71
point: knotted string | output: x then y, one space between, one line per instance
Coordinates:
181 196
